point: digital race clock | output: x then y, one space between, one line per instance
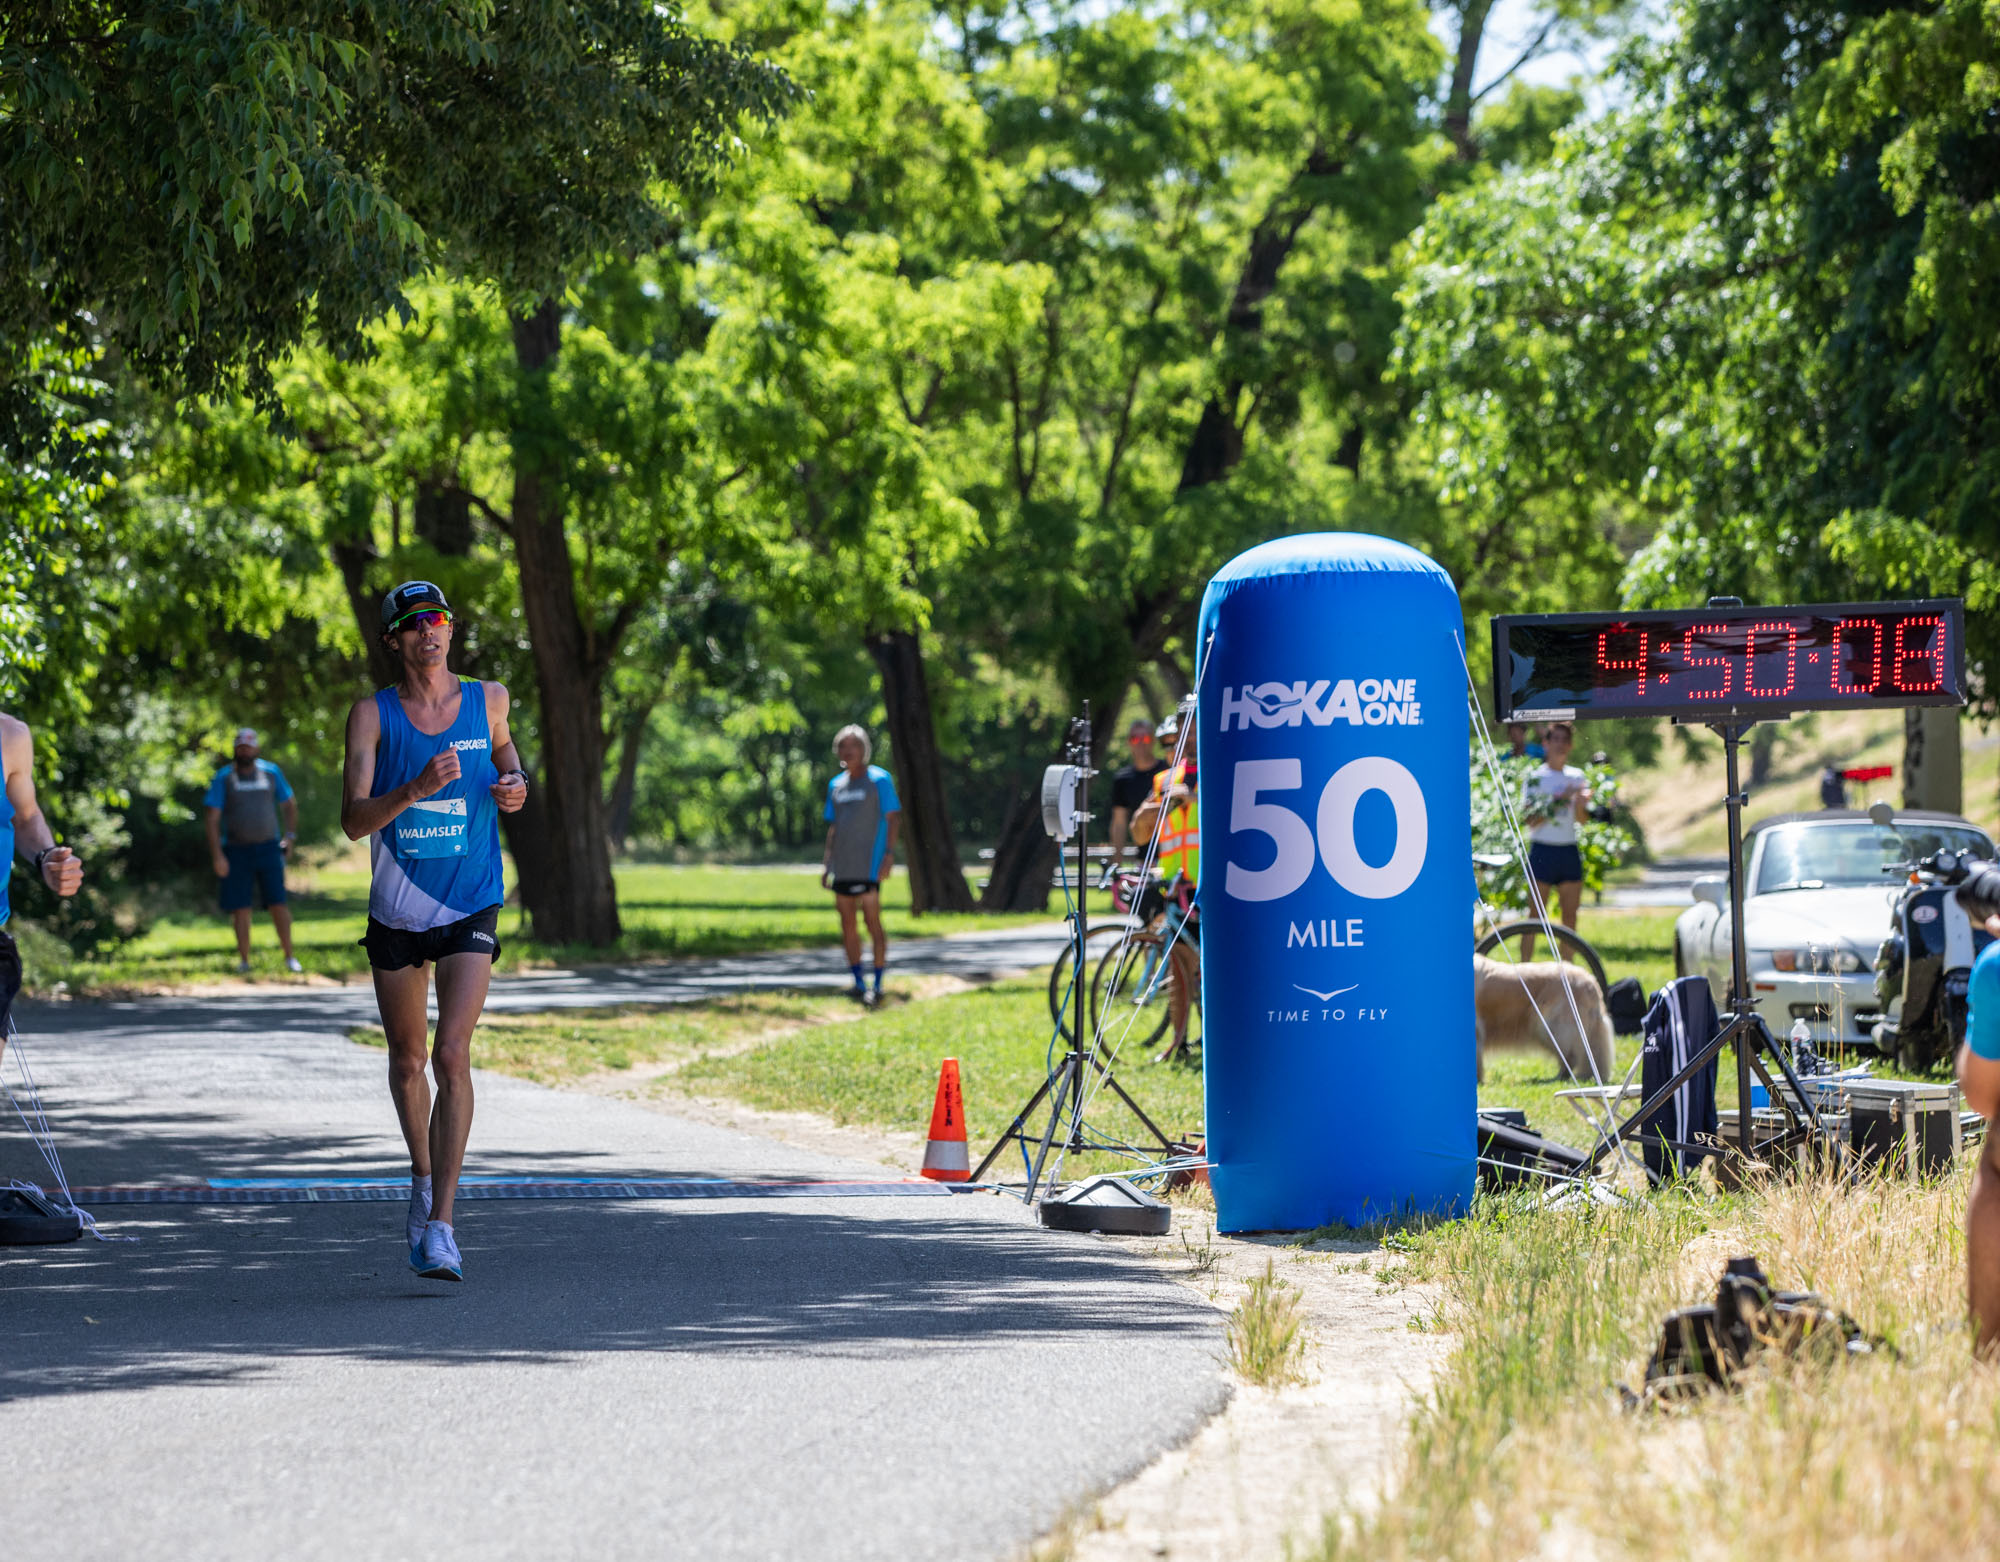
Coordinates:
1722 663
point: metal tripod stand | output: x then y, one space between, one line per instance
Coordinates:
1745 1029
1064 1088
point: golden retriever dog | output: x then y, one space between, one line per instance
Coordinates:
1524 1006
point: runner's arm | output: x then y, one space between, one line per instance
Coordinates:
361 814
889 845
213 824
62 870
511 790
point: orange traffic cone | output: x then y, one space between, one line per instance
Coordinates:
945 1157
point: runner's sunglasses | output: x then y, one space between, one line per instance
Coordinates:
422 618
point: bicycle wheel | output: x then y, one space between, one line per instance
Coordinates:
1574 945
1062 1002
1128 991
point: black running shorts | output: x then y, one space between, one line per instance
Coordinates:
856 886
395 948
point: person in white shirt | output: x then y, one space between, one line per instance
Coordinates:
1555 799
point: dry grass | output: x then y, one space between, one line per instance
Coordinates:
1267 1343
1521 1452
1679 800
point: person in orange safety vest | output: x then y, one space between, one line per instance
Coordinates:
1171 818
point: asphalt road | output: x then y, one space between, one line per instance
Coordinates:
796 1378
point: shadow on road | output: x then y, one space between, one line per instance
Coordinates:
214 1295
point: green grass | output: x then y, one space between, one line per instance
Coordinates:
883 1072
560 1048
1267 1344
667 911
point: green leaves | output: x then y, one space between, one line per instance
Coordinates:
213 183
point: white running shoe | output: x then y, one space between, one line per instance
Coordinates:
292 965
438 1258
242 967
419 1217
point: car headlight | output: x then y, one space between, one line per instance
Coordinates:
1817 962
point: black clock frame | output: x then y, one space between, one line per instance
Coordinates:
1735 709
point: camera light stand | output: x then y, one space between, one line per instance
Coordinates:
1744 1030
1066 813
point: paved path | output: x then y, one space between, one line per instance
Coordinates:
1668 882
800 1378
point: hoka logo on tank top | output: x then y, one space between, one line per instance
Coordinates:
439 860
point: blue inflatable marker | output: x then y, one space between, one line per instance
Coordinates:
1336 884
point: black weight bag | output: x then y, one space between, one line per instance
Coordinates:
26 1218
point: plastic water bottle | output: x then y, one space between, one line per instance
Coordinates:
1805 1061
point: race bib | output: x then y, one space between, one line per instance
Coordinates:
433 827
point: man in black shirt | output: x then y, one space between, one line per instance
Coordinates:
1133 784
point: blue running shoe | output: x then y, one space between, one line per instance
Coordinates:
419 1217
437 1258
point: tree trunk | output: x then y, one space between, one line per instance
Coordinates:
444 518
937 883
1024 860
578 902
1763 748
1933 768
1458 101
626 783
352 556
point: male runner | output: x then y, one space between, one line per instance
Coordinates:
863 820
247 845
23 829
428 764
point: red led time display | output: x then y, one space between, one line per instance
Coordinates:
1714 661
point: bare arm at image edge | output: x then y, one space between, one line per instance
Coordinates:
62 871
1979 1057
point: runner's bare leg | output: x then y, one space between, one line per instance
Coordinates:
462 981
871 908
403 997
850 931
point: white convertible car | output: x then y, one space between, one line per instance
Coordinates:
1817 894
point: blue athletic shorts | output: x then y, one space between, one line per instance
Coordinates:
1555 864
253 870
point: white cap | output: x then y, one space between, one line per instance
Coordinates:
246 736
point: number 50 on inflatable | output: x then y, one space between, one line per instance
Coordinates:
1336 886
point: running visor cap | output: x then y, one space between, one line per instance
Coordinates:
407 598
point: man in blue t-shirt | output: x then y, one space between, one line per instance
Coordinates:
863 819
1979 1081
247 845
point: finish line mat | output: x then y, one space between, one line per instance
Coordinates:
375 1190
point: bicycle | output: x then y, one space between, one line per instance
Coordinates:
1125 886
1570 944
1134 976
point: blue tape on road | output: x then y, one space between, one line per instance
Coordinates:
352 1190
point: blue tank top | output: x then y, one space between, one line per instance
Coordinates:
438 861
6 853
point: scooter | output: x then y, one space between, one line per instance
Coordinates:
1924 966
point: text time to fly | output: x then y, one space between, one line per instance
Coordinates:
1713 663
